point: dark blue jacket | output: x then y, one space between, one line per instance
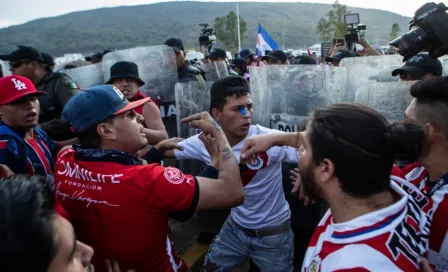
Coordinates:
20 156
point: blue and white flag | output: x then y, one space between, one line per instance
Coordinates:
264 42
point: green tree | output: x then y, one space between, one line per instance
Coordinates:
395 32
226 28
333 25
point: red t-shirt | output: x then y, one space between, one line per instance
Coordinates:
139 96
122 211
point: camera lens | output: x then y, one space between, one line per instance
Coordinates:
411 43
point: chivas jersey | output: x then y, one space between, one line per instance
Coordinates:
390 239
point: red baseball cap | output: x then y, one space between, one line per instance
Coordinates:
15 87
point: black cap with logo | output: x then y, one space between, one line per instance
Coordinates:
421 65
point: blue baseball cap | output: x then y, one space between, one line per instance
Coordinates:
93 105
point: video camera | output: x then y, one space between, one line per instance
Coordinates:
429 33
355 30
207 36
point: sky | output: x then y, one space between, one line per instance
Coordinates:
21 11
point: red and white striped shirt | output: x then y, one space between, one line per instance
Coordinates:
390 239
438 238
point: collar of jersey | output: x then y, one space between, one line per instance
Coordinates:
377 221
105 155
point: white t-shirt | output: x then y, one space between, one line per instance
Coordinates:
390 239
264 204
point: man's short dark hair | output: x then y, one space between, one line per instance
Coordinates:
26 224
226 87
432 102
362 145
89 138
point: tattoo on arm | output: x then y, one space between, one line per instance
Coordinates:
226 151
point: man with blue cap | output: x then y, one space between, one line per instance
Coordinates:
121 206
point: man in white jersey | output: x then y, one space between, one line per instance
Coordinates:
430 108
346 158
260 228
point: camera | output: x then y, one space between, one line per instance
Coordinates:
429 33
355 30
207 36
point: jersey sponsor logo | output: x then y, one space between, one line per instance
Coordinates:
255 164
19 85
315 264
174 175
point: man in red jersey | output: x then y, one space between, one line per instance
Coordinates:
346 157
430 108
121 206
125 77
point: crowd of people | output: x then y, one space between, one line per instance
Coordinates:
85 185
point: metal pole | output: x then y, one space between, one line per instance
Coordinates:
238 22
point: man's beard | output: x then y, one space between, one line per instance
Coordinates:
309 182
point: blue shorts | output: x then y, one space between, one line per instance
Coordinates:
232 247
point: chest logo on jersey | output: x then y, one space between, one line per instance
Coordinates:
255 164
174 175
315 264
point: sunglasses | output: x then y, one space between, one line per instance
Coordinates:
18 64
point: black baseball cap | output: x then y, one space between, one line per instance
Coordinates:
277 55
217 53
96 56
176 44
245 53
342 54
304 59
23 52
420 65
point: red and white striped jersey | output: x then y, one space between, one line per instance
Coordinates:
438 238
390 239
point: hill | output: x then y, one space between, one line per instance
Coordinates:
125 27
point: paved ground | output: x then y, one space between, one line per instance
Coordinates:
184 235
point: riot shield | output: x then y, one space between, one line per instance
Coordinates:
285 95
214 70
4 69
191 98
158 69
283 98
389 98
368 70
86 76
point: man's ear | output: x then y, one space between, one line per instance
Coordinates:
216 114
326 170
106 131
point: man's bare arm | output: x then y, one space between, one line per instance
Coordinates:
155 129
